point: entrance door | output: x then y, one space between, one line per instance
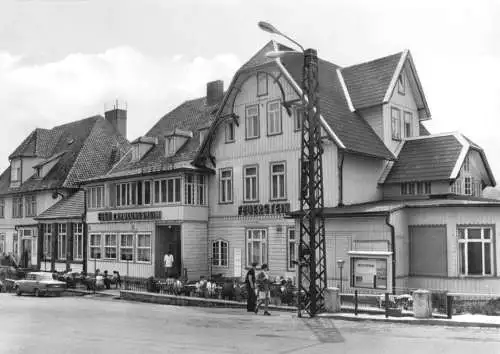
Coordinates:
26 253
168 241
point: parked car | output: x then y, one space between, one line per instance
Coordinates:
39 283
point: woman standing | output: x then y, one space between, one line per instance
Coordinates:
250 283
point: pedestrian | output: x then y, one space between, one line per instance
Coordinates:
117 279
107 281
250 283
263 284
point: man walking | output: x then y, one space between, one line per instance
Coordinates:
263 284
250 283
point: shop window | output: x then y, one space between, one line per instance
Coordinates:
62 245
78 242
256 246
396 123
250 178
30 205
95 197
110 246
278 180
292 249
274 125
226 185
143 248
47 241
476 250
126 247
95 246
369 273
252 125
220 253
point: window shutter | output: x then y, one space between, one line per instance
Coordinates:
112 194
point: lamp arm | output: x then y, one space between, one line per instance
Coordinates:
293 41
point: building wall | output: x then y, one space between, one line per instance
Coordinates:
360 178
194 238
453 217
27 169
402 245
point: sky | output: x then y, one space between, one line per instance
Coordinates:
64 60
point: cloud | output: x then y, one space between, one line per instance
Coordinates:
78 85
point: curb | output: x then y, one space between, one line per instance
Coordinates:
85 292
428 322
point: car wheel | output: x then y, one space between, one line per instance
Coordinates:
18 291
37 293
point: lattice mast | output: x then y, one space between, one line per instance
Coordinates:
312 245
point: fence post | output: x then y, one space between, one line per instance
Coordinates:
386 305
449 306
355 302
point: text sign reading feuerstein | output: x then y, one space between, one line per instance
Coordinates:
264 209
138 215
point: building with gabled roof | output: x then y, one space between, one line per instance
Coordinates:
44 174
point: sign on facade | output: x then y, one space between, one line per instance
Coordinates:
141 215
370 273
264 209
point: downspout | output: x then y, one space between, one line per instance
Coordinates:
340 165
393 250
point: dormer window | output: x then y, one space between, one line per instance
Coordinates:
401 84
230 132
15 171
171 146
135 152
175 139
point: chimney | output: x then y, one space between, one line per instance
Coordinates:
117 116
215 92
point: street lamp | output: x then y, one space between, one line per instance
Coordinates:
340 264
312 245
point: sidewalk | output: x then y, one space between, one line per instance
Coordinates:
81 291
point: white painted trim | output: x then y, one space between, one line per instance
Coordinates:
325 125
431 136
461 157
370 253
394 79
344 88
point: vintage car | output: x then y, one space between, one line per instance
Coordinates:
39 283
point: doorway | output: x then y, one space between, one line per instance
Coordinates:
168 241
26 253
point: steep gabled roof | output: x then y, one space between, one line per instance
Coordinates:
82 147
368 82
423 130
433 157
71 207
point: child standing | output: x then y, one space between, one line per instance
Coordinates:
263 284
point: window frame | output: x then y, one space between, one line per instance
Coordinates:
395 123
229 127
16 170
218 245
466 241
62 252
107 246
298 118
30 205
201 189
189 189
137 247
257 117
2 208
278 120
165 183
401 84
94 246
470 181
17 207
245 176
271 184
408 123
223 181
131 247
264 249
77 241
259 93
47 241
92 199
291 266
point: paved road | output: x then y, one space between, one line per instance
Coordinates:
91 325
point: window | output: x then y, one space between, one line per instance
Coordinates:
468 185
168 190
467 164
408 122
2 208
126 194
47 241
201 193
189 189
78 241
110 246
401 84
278 187
252 122
427 187
256 246
229 132
219 253
143 248
292 249
261 84
2 244
95 246
226 186
396 123
147 192
476 250
95 197
62 245
15 171
274 118
171 146
30 205
415 188
298 116
250 183
126 247
17 207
